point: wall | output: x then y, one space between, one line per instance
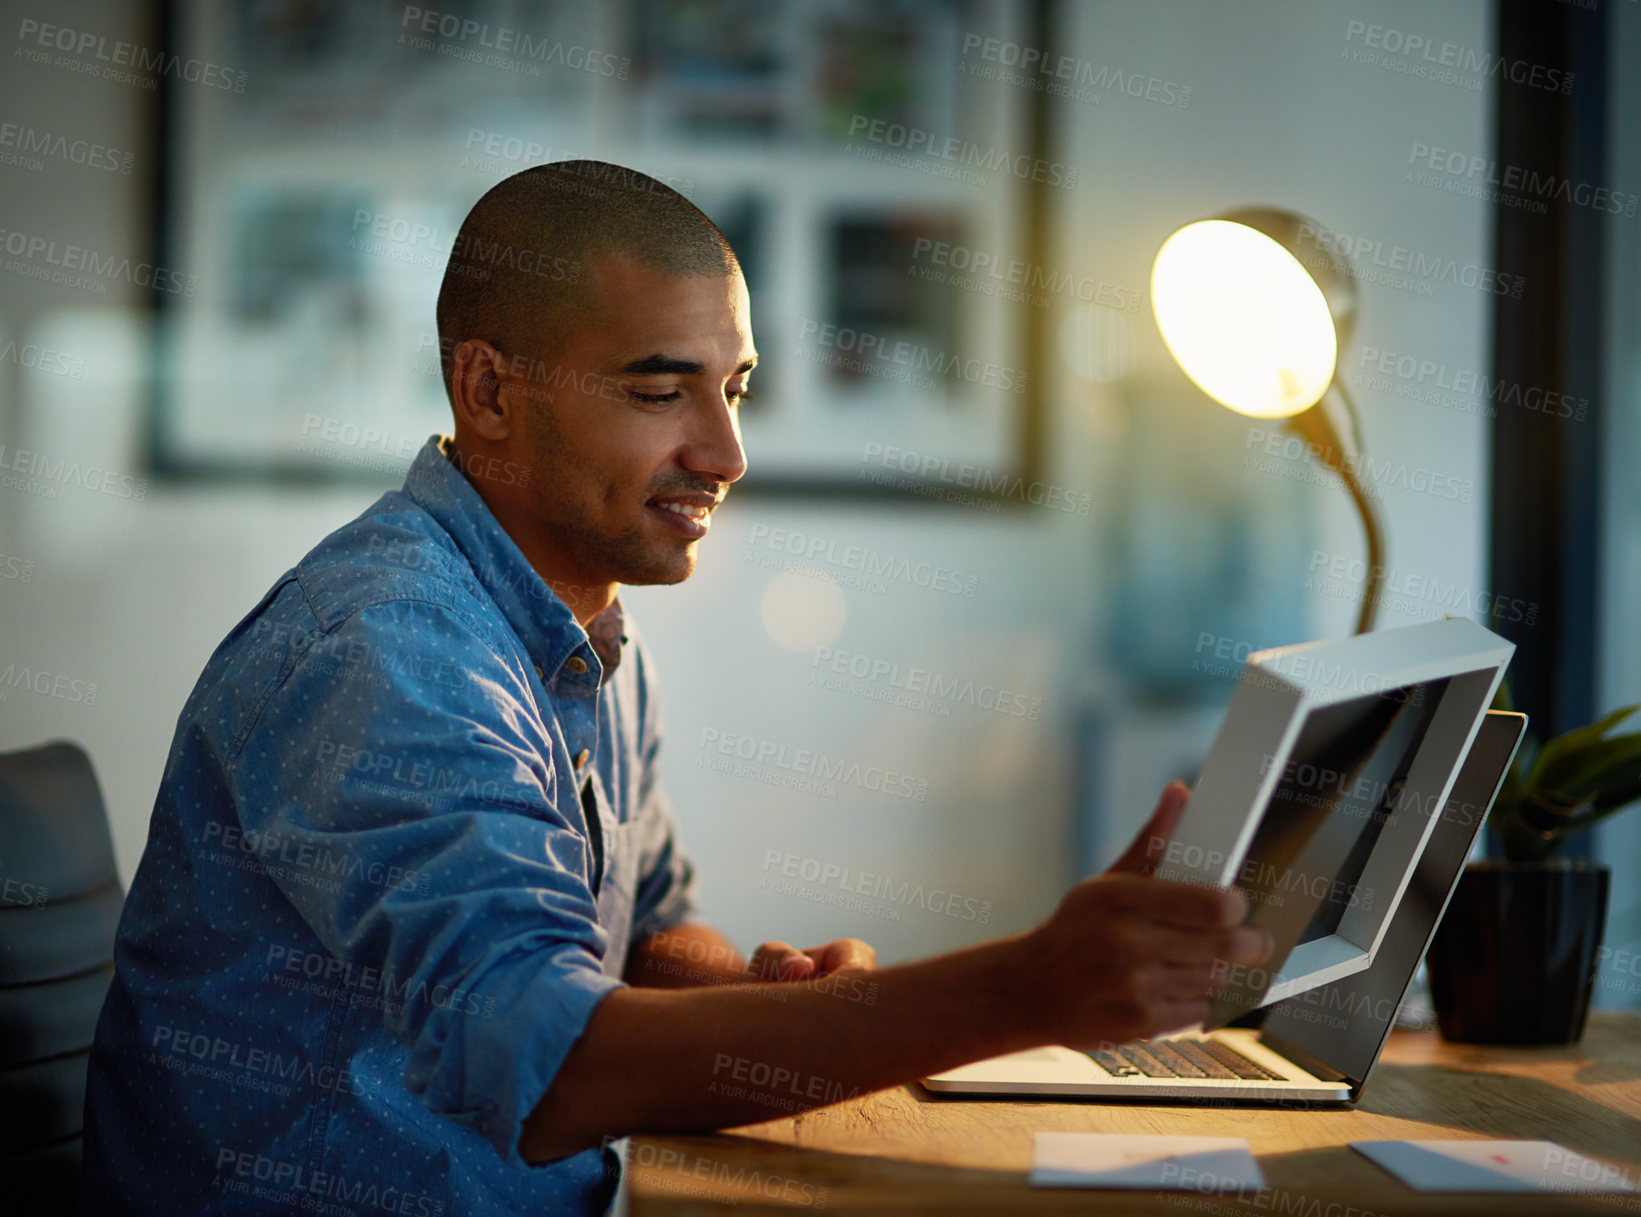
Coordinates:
134 595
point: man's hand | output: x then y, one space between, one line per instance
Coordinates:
780 961
1127 956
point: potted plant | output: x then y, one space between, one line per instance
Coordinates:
1513 960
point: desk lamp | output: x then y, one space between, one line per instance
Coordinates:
1259 329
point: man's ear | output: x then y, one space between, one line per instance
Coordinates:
475 391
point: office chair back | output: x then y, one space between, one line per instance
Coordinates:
60 902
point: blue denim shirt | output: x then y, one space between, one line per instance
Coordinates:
410 826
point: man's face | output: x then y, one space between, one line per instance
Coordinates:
632 427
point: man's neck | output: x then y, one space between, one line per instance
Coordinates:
585 602
586 597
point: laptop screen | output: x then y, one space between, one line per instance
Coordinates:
1341 1027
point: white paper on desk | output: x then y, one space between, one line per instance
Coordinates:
1492 1166
1087 1159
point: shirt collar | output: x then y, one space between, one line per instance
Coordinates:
543 622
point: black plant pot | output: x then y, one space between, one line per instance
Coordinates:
1513 961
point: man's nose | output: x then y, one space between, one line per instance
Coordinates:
714 447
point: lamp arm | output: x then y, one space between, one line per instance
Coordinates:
1316 429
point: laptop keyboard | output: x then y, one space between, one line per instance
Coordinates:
1180 1058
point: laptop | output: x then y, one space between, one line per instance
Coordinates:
1316 1047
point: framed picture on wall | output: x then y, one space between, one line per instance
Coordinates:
317 208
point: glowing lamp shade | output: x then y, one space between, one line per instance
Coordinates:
1244 319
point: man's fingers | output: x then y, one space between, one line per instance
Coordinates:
1183 982
1177 1016
1170 946
1189 906
1183 985
1201 907
760 965
1142 856
798 966
1250 944
843 953
781 961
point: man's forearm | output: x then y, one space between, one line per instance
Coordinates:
684 956
1125 956
722 1056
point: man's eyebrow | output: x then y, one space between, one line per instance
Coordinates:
668 365
663 365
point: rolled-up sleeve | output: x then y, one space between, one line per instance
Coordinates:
403 769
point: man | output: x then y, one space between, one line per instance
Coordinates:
413 930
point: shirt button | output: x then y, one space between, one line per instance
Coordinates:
581 757
540 675
577 664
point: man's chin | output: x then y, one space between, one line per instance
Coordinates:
662 568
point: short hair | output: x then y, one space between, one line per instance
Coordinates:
519 264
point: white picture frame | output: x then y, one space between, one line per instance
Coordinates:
1278 692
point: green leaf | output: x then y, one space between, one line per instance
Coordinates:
1576 776
1613 798
1602 786
1573 741
1617 797
1597 813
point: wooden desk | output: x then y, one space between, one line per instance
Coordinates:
905 1151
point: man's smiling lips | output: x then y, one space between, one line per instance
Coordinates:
690 514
